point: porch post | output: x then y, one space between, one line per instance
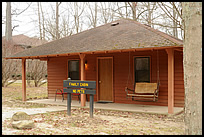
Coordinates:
23 79
170 53
83 96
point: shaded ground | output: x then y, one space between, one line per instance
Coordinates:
79 123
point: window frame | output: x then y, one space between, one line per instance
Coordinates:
68 67
150 69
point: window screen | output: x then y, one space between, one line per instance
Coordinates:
73 69
142 69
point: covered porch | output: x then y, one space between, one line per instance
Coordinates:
114 106
97 49
119 68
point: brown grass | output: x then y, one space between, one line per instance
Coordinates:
12 95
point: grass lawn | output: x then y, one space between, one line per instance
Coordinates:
12 95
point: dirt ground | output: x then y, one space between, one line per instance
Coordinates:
104 122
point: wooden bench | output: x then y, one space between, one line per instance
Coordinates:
143 91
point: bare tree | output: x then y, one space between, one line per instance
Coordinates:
138 11
192 15
50 25
129 10
78 10
8 22
43 23
166 8
175 32
119 9
126 10
133 6
107 14
57 20
16 11
146 12
50 29
66 30
10 68
172 11
40 30
36 70
150 12
93 14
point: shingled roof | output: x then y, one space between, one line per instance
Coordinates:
118 35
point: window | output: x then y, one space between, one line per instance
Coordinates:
73 69
142 69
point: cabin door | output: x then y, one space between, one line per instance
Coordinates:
105 79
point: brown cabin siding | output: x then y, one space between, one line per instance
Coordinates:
57 72
179 79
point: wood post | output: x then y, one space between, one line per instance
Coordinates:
83 96
91 101
23 79
69 100
170 53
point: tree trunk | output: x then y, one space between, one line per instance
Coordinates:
76 17
192 15
43 23
39 25
175 32
126 10
95 18
134 5
149 19
8 22
57 21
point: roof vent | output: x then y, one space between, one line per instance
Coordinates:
114 24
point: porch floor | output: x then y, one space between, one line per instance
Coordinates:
113 106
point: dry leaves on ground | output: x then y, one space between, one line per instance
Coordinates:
79 123
103 122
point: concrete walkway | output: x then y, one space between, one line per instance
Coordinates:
60 106
114 106
8 112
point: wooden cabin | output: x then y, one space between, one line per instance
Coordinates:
115 55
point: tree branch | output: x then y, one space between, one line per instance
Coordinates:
22 10
176 10
170 16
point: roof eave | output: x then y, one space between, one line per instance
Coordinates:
94 52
